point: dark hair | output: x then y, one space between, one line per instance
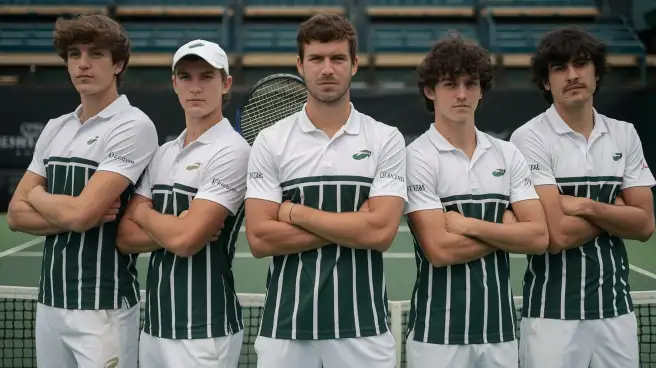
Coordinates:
224 75
326 28
450 58
562 46
93 28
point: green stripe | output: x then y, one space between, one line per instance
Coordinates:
475 197
66 160
589 179
162 187
327 178
185 188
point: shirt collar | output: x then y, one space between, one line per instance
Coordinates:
210 136
352 125
442 144
120 104
561 127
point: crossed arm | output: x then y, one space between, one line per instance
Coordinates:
278 229
34 211
450 238
143 229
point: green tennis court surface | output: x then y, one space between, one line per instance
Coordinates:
20 261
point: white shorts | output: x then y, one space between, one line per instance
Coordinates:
87 338
219 352
599 343
498 355
359 352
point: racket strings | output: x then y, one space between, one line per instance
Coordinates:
271 102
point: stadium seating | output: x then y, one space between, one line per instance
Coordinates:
52 7
266 8
404 8
170 7
268 44
152 44
541 8
516 41
396 45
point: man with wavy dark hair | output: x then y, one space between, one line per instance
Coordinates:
83 170
594 183
461 186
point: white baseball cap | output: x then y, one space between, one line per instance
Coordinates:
208 51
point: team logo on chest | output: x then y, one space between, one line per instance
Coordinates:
193 166
499 172
361 155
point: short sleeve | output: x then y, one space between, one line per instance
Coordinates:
129 148
422 184
263 180
145 183
37 165
389 179
224 181
636 170
536 155
521 184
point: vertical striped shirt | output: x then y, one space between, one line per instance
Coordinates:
85 270
194 297
590 281
466 303
335 291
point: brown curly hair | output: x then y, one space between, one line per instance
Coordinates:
327 28
87 28
563 45
450 58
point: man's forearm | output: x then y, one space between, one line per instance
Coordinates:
622 221
166 230
572 232
454 249
133 239
276 238
520 237
24 218
362 230
58 209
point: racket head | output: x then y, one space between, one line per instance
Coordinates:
270 100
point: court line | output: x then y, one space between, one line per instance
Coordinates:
642 271
25 245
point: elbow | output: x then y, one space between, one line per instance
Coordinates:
540 242
647 232
437 256
11 221
185 245
379 240
440 259
259 248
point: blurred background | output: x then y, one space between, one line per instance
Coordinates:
260 38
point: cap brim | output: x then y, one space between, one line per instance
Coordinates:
191 52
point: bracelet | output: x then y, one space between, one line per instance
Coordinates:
290 212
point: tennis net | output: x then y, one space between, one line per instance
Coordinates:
18 316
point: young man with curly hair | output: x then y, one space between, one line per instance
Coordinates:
84 169
462 184
594 183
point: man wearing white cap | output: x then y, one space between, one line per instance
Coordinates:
187 212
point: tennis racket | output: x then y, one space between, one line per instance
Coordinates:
270 100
